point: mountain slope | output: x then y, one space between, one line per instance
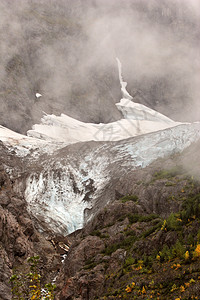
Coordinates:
62 191
69 185
141 246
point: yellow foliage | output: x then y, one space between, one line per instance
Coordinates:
187 284
132 284
176 266
128 289
187 255
174 287
163 225
143 290
138 268
182 289
35 297
197 251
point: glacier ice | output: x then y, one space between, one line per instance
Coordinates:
58 193
66 183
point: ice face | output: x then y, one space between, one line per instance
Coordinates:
61 192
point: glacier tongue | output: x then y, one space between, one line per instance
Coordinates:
70 183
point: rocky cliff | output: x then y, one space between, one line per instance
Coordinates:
19 235
146 243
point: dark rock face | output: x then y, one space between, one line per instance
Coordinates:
19 238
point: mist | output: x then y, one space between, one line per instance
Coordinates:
66 51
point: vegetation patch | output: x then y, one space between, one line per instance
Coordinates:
170 271
169 173
29 285
133 218
100 234
152 230
89 264
127 198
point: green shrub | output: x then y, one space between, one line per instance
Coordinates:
178 250
130 232
90 266
96 233
148 261
110 249
127 198
152 229
121 218
134 218
190 239
148 218
170 173
190 208
165 253
128 242
129 261
173 222
100 234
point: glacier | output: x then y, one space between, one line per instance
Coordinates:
69 164
69 184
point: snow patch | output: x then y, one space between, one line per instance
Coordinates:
38 95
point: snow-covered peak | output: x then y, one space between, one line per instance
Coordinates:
63 130
137 119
